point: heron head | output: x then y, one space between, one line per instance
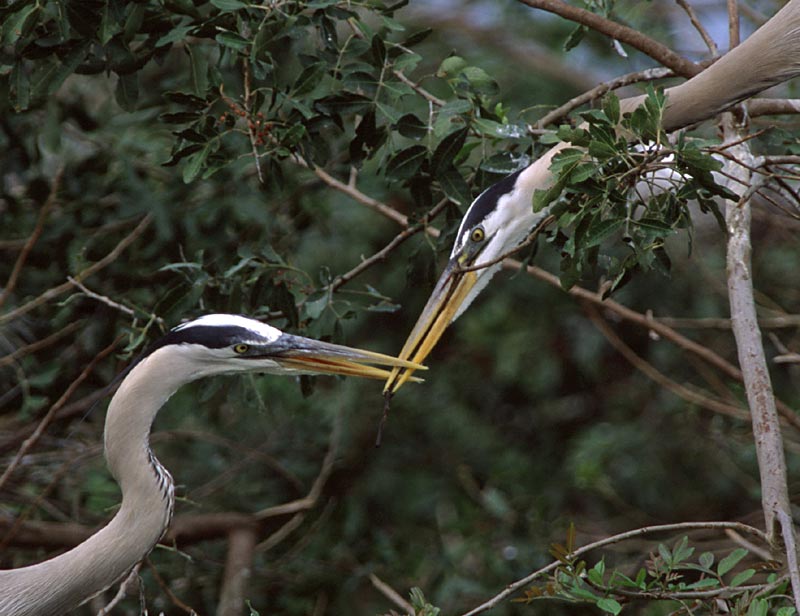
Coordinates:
224 344
494 225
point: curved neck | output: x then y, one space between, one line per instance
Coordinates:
64 582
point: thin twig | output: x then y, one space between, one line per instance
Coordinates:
33 347
631 534
650 371
110 302
391 594
29 243
703 352
92 269
392 245
712 46
45 421
733 23
561 111
790 544
167 590
658 51
248 108
132 577
543 224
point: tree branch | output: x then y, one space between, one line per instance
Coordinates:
766 427
658 51
92 269
631 534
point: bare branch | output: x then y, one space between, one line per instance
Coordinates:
632 534
21 352
29 243
391 594
556 114
658 51
701 400
45 421
766 427
712 46
238 569
92 269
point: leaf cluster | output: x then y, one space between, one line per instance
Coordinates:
669 575
622 189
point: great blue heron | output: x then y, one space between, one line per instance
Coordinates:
210 345
502 216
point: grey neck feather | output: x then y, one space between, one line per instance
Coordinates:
57 585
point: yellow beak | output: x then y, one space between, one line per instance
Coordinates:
450 292
305 355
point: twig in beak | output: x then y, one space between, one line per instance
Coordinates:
387 399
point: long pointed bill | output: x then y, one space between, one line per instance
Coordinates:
315 357
450 292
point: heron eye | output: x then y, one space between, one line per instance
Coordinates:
477 235
240 348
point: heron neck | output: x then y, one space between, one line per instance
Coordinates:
57 585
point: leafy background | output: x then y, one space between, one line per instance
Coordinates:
528 421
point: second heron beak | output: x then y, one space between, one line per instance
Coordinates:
451 291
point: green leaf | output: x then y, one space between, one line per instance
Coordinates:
654 224
490 128
596 573
199 65
454 107
576 136
568 157
309 78
232 40
451 67
758 607
346 103
18 25
378 51
704 583
730 561
447 150
785 611
406 163
315 307
388 112
575 37
582 172
607 604
454 186
611 108
174 35
706 559
411 126
228 5
543 198
49 77
127 91
21 86
480 81
195 162
741 577
682 551
599 230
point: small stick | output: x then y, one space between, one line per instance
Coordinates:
387 400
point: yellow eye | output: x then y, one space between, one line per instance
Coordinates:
477 235
240 348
